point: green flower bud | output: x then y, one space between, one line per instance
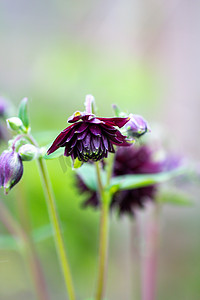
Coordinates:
28 152
15 124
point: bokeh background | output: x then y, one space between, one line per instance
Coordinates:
142 55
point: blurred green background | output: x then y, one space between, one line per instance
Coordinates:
141 55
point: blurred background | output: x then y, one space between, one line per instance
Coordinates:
142 55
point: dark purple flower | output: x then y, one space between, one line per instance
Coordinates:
137 160
129 160
11 169
90 137
137 126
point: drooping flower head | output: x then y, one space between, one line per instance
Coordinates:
128 161
90 137
11 169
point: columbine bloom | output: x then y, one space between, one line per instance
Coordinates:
128 161
11 169
137 126
90 137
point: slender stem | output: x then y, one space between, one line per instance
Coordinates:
34 264
104 232
110 167
149 254
100 184
135 261
103 249
10 223
56 227
36 270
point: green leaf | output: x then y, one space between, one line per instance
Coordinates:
128 182
23 112
88 174
175 198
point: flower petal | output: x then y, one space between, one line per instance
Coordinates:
95 129
82 127
119 122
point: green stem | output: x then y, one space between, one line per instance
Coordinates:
56 227
104 233
34 264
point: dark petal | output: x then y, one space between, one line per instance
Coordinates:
119 122
80 146
70 134
110 147
67 150
80 116
105 141
73 142
95 129
61 138
86 141
96 141
82 135
82 127
93 149
73 155
119 139
109 129
95 121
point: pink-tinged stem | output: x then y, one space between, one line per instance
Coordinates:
33 262
149 234
89 103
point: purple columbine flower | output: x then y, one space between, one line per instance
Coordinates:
128 161
11 169
90 137
137 126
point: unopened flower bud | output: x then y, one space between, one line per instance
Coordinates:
28 152
11 170
3 107
15 124
137 126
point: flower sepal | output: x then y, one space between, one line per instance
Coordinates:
15 124
76 164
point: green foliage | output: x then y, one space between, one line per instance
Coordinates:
23 112
127 182
88 174
175 198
